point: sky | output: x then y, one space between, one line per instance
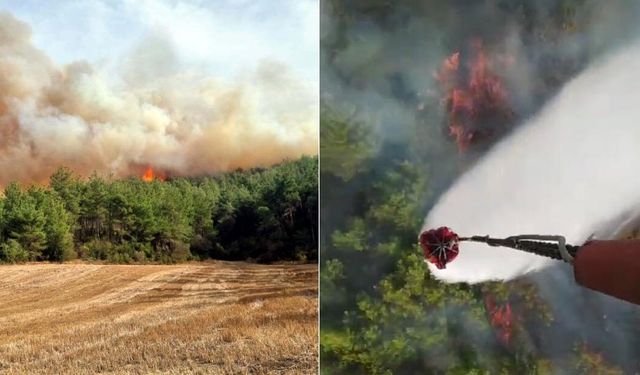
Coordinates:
190 87
223 37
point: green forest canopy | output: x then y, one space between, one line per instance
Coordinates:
263 215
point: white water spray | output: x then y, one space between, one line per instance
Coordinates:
573 167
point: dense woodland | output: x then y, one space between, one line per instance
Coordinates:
386 156
262 215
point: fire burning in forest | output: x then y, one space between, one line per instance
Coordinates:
475 97
150 175
500 318
193 123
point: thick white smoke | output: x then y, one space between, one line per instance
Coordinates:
178 122
569 170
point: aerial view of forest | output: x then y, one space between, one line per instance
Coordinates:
413 95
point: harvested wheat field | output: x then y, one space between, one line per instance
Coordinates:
218 317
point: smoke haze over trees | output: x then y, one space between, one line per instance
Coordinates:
392 126
152 110
263 215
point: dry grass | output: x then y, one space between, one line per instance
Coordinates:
220 318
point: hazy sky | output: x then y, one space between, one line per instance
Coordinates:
224 37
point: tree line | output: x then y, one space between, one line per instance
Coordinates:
262 215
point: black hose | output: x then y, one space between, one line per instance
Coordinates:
545 249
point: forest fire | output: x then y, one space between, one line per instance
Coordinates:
500 318
150 175
475 97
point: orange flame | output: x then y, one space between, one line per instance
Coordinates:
149 175
475 98
500 319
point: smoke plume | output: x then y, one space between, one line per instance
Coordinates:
177 122
568 171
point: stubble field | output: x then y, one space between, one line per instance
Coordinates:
219 318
